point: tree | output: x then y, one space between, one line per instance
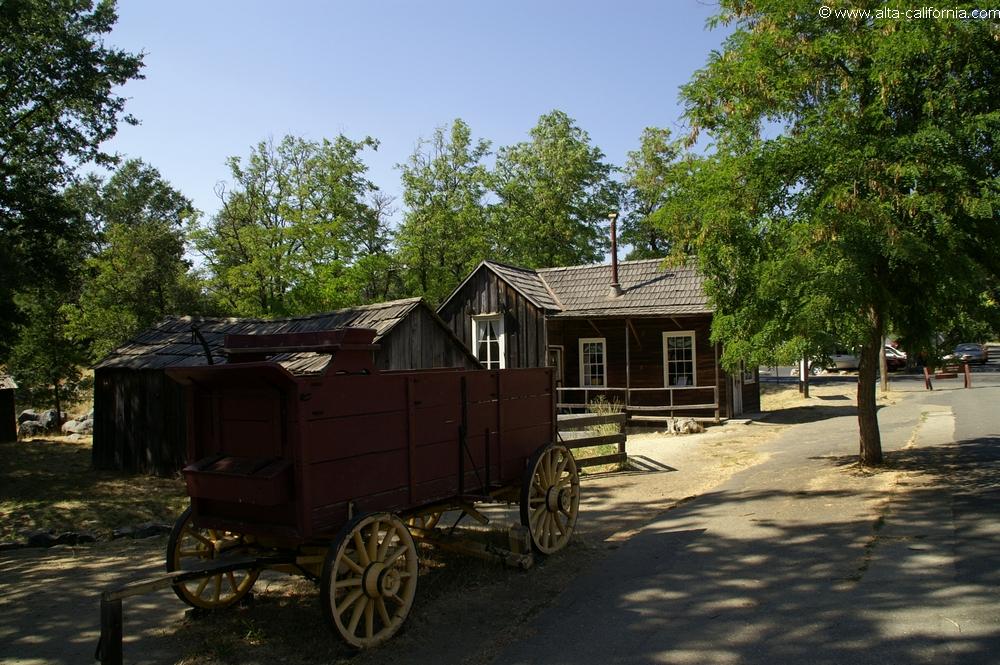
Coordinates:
652 177
281 244
58 103
445 231
137 273
555 192
854 181
374 274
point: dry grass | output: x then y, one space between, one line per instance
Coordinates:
775 397
48 484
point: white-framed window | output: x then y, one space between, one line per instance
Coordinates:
487 331
593 362
679 359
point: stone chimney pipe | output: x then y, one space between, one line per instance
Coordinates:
616 289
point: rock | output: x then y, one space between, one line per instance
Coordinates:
27 415
690 426
123 532
74 538
77 437
10 546
150 529
30 428
81 426
51 420
90 414
40 539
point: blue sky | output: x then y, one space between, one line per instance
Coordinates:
224 75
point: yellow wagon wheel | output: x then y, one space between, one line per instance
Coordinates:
369 579
550 498
191 548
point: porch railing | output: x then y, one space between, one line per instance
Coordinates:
644 411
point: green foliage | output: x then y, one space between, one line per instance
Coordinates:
282 242
555 192
45 361
446 229
137 273
854 185
653 178
57 105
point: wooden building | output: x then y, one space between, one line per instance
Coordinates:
8 416
140 415
641 340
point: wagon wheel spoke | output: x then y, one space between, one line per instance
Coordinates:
359 547
385 544
351 599
352 564
370 619
383 613
218 588
359 609
348 582
392 558
373 544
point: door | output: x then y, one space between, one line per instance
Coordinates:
736 383
555 360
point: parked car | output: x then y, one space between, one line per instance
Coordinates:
968 352
894 358
843 359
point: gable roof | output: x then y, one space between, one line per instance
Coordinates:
648 289
7 382
171 342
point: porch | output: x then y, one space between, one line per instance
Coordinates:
650 368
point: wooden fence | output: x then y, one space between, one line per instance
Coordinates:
570 423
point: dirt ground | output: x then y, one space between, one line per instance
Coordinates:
465 610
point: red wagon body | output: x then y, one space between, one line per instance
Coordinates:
289 454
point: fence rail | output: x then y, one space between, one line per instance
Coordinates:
646 412
575 422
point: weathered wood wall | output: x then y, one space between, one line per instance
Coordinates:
419 342
523 323
139 421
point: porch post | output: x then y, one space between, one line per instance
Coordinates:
628 369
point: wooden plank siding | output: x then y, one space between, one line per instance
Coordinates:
419 343
645 355
523 322
139 422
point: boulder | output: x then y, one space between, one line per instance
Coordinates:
28 415
31 428
40 539
51 420
79 426
150 529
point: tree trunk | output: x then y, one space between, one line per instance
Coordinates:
55 386
871 443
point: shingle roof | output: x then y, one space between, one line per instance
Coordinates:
7 382
171 342
648 289
528 283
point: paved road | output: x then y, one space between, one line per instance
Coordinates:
800 559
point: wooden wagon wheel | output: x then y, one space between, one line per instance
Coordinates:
370 579
550 498
190 548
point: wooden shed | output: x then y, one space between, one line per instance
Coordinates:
8 415
140 415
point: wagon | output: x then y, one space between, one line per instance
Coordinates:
304 458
